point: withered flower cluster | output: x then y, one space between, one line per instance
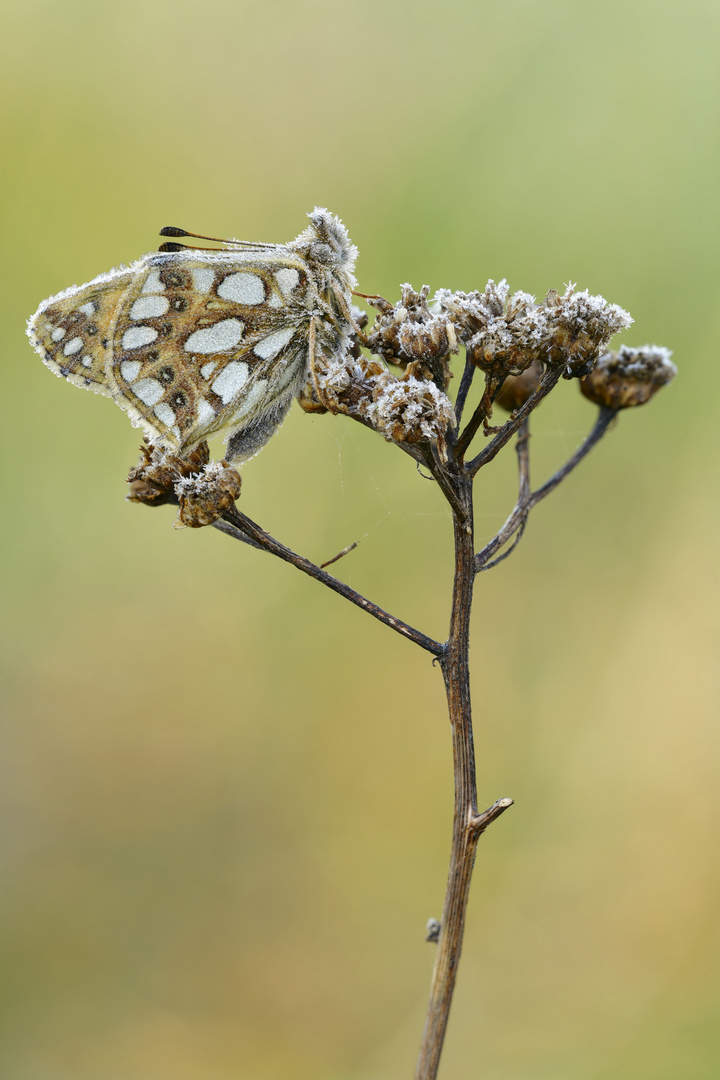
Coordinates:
509 337
410 335
505 335
203 489
412 408
628 377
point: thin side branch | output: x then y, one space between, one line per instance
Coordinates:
244 525
340 555
518 518
604 419
483 410
465 383
480 822
547 383
443 481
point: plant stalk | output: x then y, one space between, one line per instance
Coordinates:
468 824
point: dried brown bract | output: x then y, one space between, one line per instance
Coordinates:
517 389
628 377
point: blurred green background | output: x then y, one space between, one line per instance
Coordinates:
226 794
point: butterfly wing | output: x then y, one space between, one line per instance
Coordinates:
207 343
73 331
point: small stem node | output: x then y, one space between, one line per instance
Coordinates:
478 823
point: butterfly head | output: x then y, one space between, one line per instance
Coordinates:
326 242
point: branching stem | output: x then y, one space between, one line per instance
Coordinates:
526 499
455 480
251 532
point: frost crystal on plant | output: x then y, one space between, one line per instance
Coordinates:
580 326
505 334
410 335
410 410
629 377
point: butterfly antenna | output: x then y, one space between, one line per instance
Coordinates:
170 246
173 230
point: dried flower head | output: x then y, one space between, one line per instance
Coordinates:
628 377
153 479
410 335
343 385
506 334
503 334
579 327
205 497
401 410
203 489
410 410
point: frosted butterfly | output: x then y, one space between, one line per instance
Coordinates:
192 343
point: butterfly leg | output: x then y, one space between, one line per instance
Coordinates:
347 312
320 394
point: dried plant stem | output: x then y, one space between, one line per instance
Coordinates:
468 823
455 481
245 529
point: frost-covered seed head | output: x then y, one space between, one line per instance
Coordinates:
628 377
411 410
205 496
409 333
579 328
503 334
204 489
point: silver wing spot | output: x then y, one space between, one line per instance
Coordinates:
218 338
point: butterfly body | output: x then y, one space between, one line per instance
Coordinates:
194 343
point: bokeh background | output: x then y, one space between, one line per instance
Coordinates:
225 793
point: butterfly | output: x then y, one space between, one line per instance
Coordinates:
195 342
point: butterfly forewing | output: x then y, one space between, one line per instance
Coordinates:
203 342
73 330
